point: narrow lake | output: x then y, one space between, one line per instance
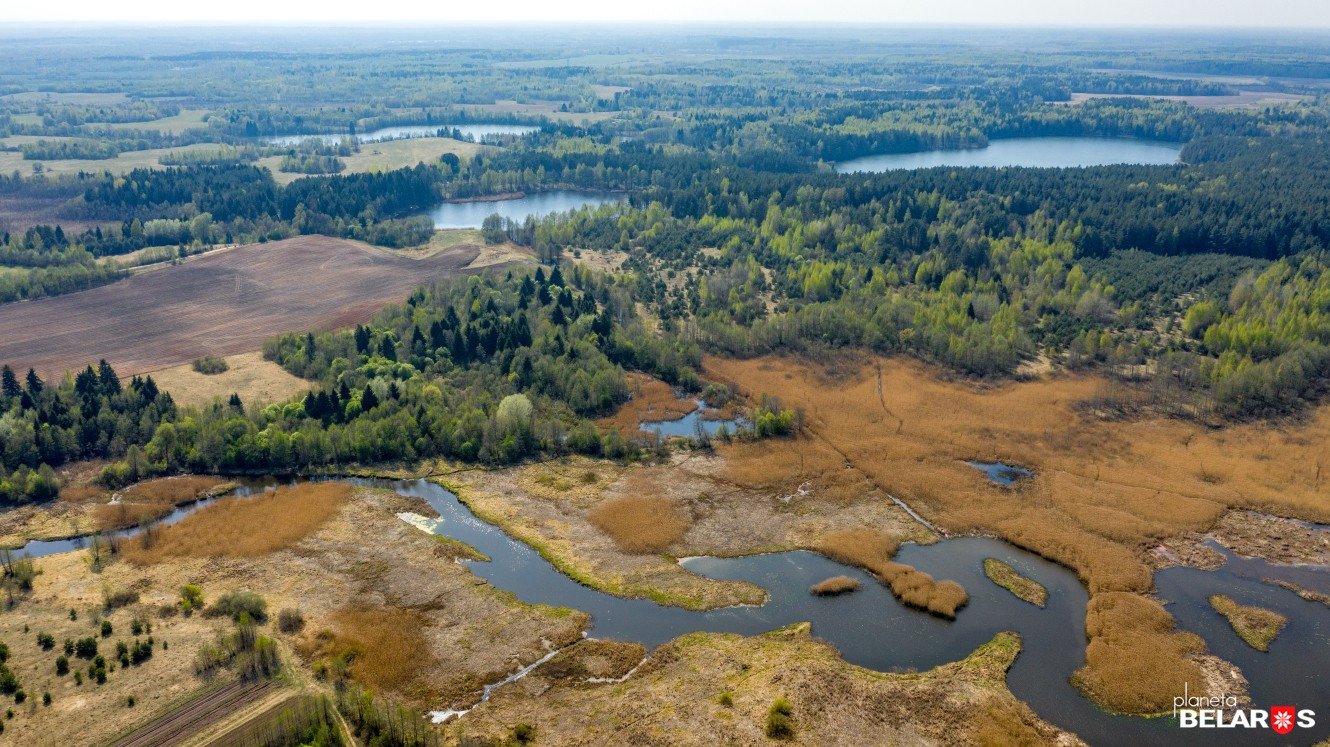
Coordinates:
1038 152
871 629
477 132
472 214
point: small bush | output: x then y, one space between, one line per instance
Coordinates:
86 648
191 598
210 365
524 733
106 629
46 641
780 725
725 699
236 603
62 666
290 621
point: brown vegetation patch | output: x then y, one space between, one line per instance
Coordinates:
153 499
788 465
384 646
248 375
834 586
1136 661
1255 534
222 303
640 524
873 550
652 399
1257 626
243 527
592 659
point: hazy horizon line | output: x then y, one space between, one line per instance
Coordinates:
791 24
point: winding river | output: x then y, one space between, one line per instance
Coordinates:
871 629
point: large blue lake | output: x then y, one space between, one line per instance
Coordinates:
1039 152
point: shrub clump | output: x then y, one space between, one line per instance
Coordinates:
780 721
290 621
236 603
210 365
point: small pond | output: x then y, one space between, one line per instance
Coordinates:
472 214
998 473
687 425
1037 152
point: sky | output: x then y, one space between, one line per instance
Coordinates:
1300 14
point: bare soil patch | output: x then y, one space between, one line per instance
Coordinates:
222 303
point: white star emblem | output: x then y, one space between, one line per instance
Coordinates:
1283 720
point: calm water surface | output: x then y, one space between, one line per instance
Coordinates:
1042 152
687 425
472 214
477 132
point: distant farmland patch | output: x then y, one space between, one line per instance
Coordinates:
223 303
388 155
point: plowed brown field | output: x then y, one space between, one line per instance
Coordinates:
223 303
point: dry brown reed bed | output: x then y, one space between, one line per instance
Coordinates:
152 499
872 550
384 646
242 527
834 586
1104 491
641 524
776 464
652 399
1136 660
